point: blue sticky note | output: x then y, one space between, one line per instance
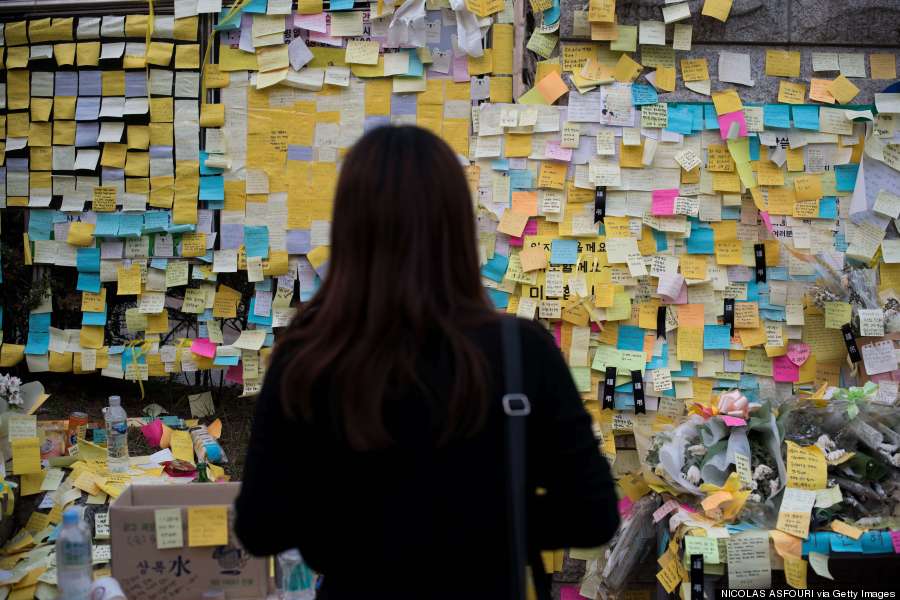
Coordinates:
88 282
256 240
687 369
40 224
223 360
38 342
564 252
107 224
212 187
225 24
156 221
341 4
495 268
204 170
700 241
662 243
680 119
521 179
661 361
777 115
500 164
39 322
131 224
710 117
877 542
630 338
641 94
415 68
828 208
88 260
93 318
183 228
844 543
499 298
252 317
806 116
256 6
845 177
716 337
160 263
754 147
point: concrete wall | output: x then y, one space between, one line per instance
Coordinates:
863 26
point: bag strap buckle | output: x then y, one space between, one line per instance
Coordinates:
516 405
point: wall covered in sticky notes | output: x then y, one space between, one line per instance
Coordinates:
174 182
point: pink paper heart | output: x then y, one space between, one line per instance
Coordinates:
798 353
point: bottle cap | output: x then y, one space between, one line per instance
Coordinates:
71 517
213 452
115 401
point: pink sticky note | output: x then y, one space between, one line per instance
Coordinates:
895 539
234 374
798 353
727 119
663 510
784 370
324 38
625 506
203 347
461 69
570 592
553 151
311 22
557 334
662 207
764 215
531 228
733 421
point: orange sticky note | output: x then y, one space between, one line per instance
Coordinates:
512 223
533 259
818 90
552 87
525 203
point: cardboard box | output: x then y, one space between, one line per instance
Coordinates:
147 573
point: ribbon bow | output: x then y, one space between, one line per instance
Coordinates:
853 396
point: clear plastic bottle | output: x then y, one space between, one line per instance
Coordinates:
73 558
116 436
297 581
206 446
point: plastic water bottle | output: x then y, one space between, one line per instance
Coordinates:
116 436
297 580
73 558
206 446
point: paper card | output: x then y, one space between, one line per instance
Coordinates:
879 357
794 514
706 546
871 322
169 528
26 455
748 560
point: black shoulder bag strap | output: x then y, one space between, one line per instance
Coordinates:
517 407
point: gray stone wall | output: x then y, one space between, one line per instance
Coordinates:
863 26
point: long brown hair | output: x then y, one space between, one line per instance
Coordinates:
403 267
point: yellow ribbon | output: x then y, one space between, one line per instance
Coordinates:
136 354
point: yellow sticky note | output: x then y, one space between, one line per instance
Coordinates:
362 52
129 280
727 101
182 446
795 572
212 115
626 69
26 455
187 56
791 93
883 66
782 63
502 43
837 314
207 525
694 69
81 234
717 9
846 529
843 89
160 53
807 468
665 78
808 187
